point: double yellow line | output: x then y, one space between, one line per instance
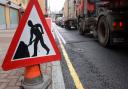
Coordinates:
73 73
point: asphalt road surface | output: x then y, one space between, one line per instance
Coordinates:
97 67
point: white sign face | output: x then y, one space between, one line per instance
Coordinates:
34 41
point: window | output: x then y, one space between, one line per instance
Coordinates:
2 18
14 18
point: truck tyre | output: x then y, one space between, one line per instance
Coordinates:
103 31
80 27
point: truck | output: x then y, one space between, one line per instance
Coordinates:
106 19
69 14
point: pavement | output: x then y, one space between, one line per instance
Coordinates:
12 79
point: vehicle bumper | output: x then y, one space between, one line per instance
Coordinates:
120 36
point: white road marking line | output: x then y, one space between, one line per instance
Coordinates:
63 40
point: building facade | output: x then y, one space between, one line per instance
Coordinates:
11 12
44 5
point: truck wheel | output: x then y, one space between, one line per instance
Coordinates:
103 32
80 27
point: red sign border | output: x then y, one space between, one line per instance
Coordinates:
8 64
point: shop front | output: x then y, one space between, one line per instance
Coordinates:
14 18
2 18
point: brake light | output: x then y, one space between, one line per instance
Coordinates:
118 25
115 24
121 24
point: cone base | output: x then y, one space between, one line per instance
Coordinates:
44 85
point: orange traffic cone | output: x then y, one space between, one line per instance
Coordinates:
33 78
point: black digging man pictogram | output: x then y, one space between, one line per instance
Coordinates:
38 37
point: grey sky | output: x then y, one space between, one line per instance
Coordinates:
56 5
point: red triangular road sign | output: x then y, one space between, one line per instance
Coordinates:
36 52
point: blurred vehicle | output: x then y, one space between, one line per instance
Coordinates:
62 22
58 21
106 18
69 14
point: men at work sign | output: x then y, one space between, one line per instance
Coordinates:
33 42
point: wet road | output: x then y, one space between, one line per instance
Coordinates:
97 67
